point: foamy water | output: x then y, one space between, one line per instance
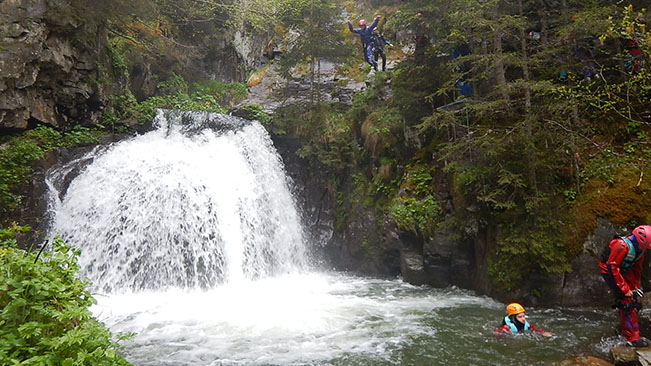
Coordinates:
311 318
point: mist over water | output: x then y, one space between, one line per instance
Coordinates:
193 241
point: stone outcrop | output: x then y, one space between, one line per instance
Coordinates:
272 90
55 68
440 262
48 66
629 356
370 244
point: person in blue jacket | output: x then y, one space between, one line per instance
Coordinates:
365 33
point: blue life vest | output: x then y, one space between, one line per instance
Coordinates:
632 256
512 327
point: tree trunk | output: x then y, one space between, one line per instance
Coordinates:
500 76
528 119
543 14
525 63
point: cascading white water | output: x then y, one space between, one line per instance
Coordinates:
200 201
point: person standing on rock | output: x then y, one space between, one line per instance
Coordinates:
365 35
377 45
515 321
621 268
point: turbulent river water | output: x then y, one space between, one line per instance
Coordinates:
193 242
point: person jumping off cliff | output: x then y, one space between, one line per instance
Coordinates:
365 36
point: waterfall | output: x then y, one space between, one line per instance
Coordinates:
193 243
200 201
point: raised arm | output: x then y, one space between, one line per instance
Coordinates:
374 24
350 27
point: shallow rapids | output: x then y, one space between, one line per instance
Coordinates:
337 319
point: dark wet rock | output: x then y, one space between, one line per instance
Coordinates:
585 361
584 285
48 66
369 244
630 356
412 269
193 123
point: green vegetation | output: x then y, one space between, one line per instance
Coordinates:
540 153
19 154
174 93
257 112
44 316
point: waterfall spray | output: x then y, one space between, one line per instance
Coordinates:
200 201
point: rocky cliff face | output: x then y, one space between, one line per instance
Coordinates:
49 66
55 68
371 244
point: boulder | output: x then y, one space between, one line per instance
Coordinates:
630 356
411 268
586 361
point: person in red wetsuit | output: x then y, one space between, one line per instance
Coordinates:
621 268
516 321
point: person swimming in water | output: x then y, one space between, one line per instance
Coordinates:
515 321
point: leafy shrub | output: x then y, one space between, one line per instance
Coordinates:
175 93
416 214
19 154
257 112
173 85
45 318
225 93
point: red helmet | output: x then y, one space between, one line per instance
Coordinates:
419 15
643 235
362 23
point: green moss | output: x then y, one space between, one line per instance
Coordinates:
619 200
366 247
115 51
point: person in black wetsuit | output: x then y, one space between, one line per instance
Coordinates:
377 44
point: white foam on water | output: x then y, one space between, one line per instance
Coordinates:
290 319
